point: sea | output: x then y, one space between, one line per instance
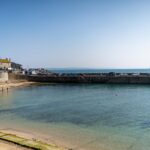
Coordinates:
91 70
81 116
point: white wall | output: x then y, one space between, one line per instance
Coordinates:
3 76
5 65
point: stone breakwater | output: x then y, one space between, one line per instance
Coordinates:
90 78
86 78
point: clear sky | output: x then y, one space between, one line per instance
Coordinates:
76 33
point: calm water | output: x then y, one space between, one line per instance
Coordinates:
82 116
68 70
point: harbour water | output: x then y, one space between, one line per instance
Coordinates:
81 116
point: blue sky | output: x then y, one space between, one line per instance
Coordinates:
76 33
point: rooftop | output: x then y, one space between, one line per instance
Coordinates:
5 60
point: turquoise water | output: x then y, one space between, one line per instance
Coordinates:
82 116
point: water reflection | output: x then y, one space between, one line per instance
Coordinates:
5 98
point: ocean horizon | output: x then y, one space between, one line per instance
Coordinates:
101 70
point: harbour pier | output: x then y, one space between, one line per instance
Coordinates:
112 78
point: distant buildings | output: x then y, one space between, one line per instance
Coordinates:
6 64
38 71
6 67
15 66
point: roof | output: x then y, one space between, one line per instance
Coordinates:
5 61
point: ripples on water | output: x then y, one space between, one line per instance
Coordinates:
123 109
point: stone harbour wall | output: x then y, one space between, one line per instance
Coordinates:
92 79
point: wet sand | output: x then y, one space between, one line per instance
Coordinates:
5 87
13 84
10 146
9 137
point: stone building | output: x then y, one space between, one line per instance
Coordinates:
5 64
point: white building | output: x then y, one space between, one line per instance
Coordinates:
6 64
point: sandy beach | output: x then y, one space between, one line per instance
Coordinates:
24 141
4 87
10 146
14 84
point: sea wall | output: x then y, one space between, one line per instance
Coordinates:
3 76
91 79
83 78
13 76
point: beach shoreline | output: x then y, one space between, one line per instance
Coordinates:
21 140
6 144
5 86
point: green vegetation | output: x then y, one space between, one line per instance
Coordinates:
5 61
28 143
